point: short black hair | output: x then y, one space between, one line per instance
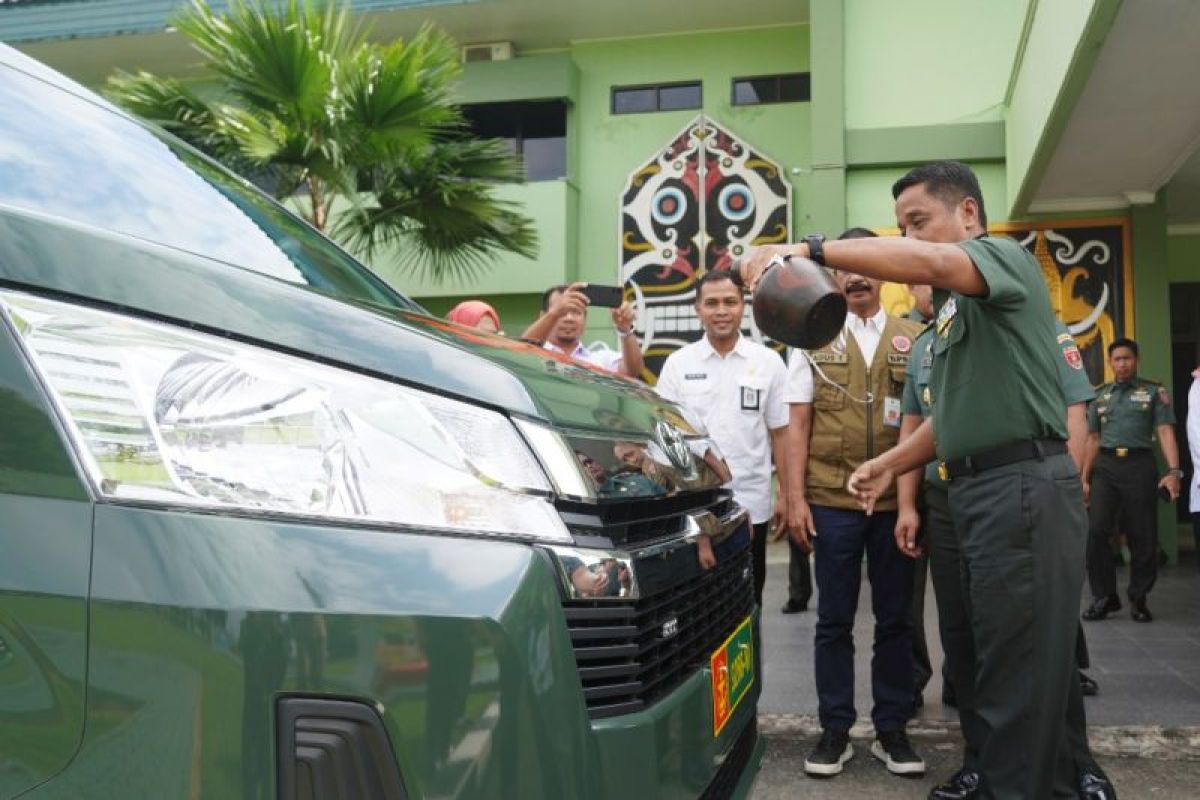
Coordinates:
858 233
549 293
712 276
949 181
1123 342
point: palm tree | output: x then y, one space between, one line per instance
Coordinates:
303 103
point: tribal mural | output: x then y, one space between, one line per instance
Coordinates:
1087 272
695 206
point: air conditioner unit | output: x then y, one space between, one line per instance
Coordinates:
487 51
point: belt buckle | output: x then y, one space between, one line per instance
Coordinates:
943 472
1122 452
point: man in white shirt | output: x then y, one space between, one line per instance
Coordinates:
735 388
561 324
844 414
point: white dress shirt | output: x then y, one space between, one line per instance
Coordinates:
1193 437
739 400
604 359
866 332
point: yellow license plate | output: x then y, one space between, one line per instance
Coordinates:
732 673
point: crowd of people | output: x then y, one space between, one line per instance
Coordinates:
964 445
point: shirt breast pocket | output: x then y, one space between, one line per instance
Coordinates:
829 390
752 395
950 355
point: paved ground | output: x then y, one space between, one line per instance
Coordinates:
782 776
1145 724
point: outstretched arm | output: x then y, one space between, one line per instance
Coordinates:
888 258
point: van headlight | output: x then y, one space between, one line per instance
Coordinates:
164 415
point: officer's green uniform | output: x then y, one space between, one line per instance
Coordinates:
941 543
1125 477
999 419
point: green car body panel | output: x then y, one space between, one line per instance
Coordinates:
143 649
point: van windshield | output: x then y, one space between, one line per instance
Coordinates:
71 155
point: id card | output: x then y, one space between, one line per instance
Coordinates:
891 412
750 401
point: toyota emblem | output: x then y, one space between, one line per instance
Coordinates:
673 444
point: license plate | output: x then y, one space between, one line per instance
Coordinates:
732 673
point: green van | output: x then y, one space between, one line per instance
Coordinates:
268 530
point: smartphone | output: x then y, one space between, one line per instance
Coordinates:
606 296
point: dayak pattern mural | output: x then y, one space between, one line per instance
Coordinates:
696 205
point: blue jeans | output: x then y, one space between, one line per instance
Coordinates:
843 537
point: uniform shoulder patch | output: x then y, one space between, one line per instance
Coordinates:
1063 338
1074 359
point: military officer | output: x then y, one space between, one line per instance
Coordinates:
999 431
940 543
1122 475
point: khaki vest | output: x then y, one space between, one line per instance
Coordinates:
841 437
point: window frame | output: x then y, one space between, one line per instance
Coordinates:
657 87
777 78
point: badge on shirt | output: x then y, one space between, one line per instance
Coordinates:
825 357
750 398
1071 354
946 316
1063 338
897 359
891 412
927 359
901 344
925 398
1140 396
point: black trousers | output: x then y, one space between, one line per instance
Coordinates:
758 556
800 586
1022 529
1126 486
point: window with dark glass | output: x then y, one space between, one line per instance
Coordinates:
661 97
792 87
536 131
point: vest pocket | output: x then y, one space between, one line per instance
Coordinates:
826 466
828 394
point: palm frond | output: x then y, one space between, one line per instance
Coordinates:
282 57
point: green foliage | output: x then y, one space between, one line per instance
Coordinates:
306 102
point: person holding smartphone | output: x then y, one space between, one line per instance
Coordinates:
561 324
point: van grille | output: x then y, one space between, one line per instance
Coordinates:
627 654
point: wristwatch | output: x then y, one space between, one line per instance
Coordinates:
816 248
1175 472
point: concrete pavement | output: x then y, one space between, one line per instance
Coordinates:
1144 725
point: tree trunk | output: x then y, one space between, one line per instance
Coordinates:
320 213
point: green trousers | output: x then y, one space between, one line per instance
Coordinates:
1022 529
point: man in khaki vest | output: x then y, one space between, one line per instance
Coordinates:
845 409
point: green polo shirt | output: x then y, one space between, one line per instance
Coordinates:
994 378
1126 414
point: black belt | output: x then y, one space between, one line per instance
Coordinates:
1122 452
1000 457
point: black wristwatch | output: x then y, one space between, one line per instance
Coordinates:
816 248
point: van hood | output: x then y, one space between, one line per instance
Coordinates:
69 259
